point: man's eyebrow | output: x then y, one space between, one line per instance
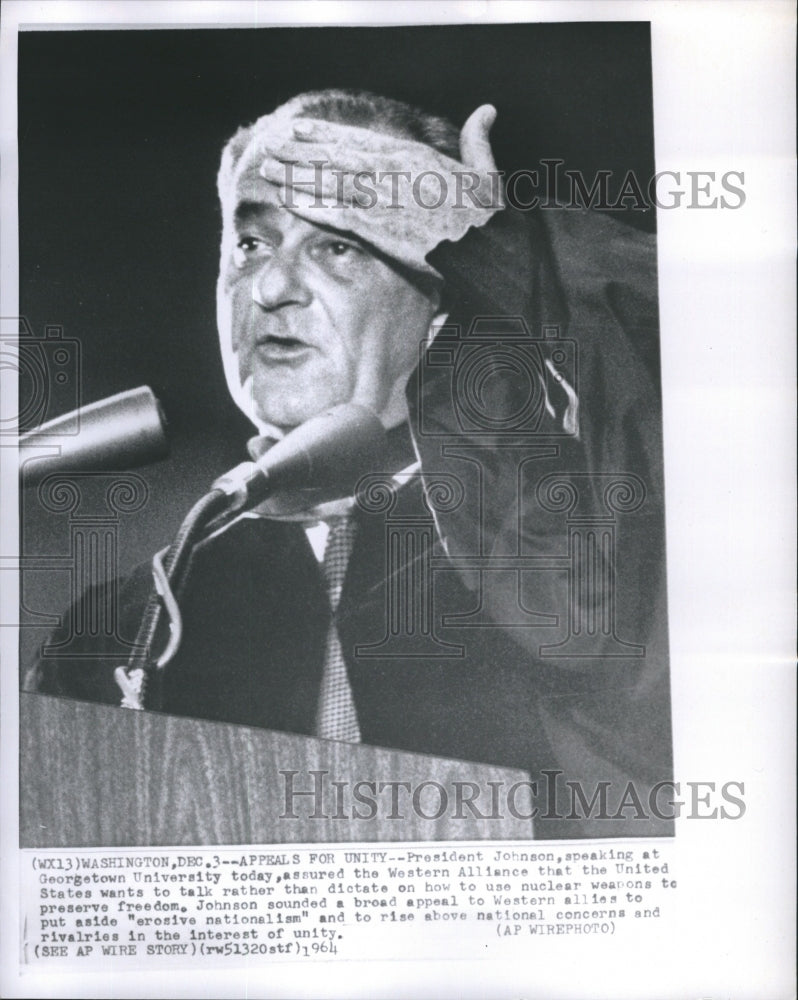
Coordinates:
249 211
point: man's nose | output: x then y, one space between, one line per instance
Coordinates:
278 283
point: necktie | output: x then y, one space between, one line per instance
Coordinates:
336 718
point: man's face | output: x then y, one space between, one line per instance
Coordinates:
309 317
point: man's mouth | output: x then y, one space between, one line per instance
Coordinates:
277 348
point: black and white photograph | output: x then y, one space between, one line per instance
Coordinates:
354 489
463 554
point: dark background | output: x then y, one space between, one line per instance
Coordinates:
119 140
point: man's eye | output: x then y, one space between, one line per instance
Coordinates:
340 257
339 248
247 248
248 243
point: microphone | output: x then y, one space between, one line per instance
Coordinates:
121 432
320 460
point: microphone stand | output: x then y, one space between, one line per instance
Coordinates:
169 572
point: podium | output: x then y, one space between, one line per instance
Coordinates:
100 776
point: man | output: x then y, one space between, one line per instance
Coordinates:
495 590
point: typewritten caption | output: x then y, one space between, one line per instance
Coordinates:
86 908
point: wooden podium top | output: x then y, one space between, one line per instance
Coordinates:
95 775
